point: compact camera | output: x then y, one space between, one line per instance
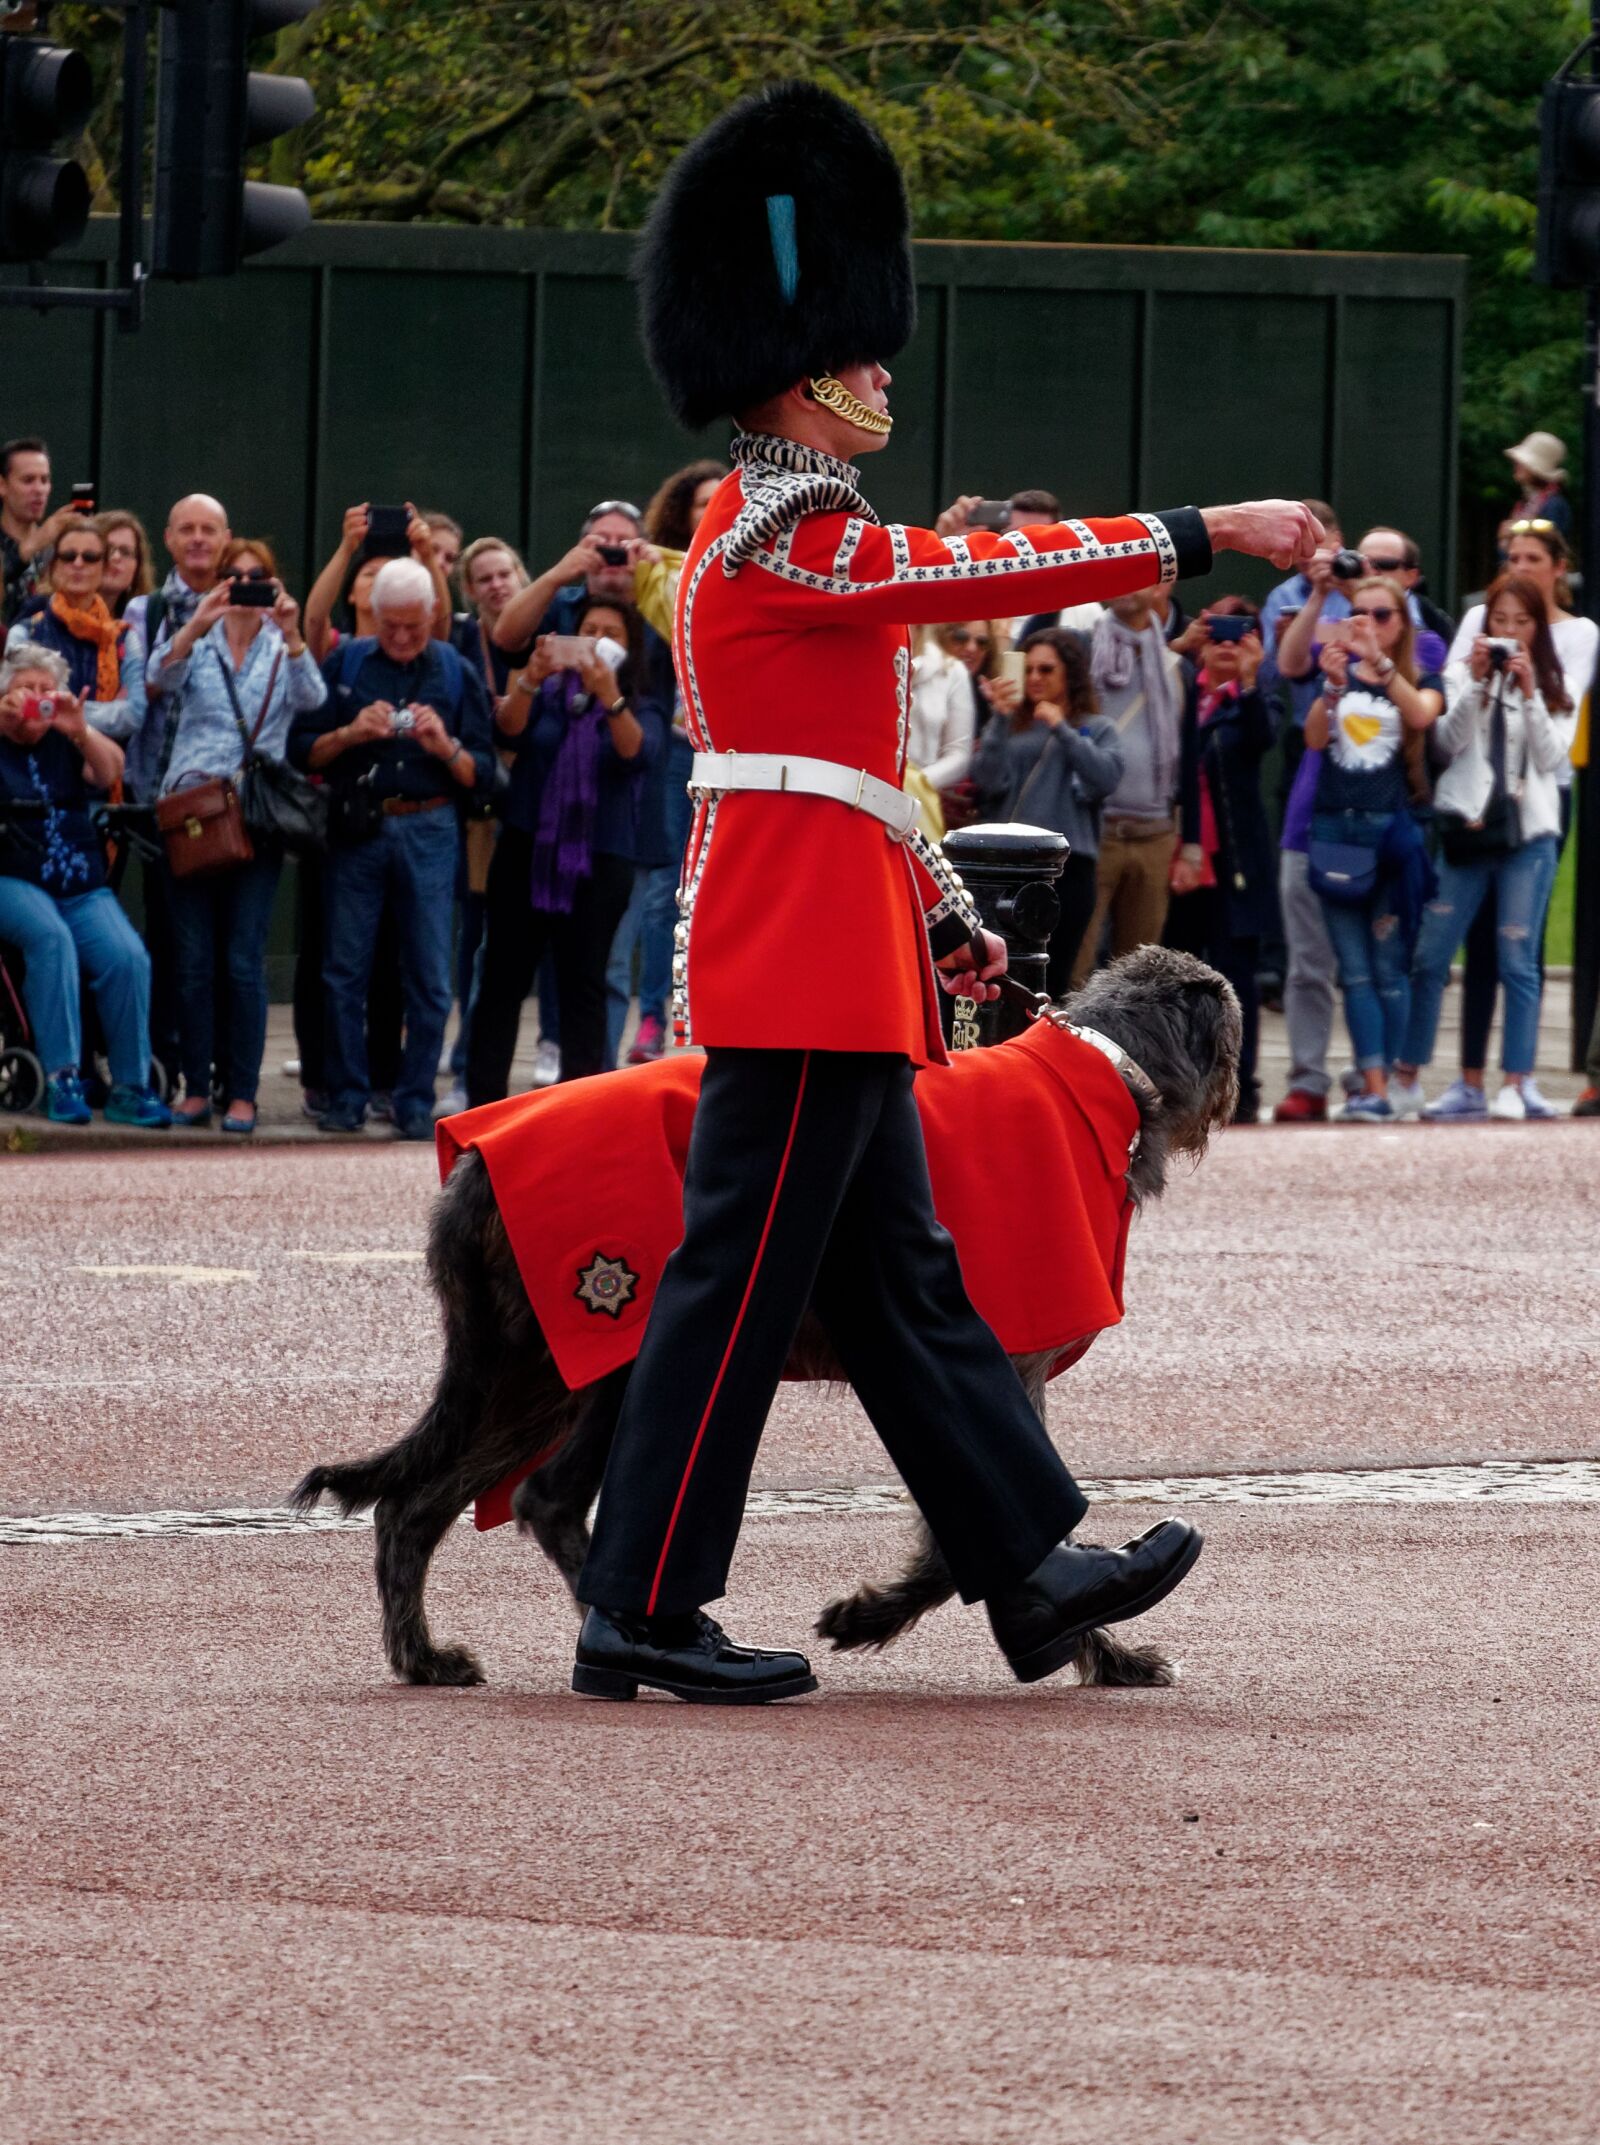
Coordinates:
403 720
39 707
1347 566
1501 653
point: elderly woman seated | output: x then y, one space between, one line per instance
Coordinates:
55 906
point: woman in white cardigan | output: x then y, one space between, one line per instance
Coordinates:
942 716
1507 730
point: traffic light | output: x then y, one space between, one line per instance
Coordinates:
45 95
1567 254
211 109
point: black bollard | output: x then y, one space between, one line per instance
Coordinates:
1011 874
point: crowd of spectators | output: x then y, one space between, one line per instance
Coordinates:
496 764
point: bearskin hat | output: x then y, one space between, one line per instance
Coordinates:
778 248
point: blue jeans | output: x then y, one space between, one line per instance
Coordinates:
411 861
233 910
1374 977
86 934
1522 880
653 912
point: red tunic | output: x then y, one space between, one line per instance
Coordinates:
791 636
1028 1147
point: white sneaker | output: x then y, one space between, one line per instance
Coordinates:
1533 1103
452 1102
546 1066
1409 1101
1509 1105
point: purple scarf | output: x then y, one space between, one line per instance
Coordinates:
563 845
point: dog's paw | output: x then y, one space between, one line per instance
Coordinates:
1109 1664
456 1667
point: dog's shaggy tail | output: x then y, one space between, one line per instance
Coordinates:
486 1315
354 1487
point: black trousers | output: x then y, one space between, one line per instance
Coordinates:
807 1182
515 938
1197 923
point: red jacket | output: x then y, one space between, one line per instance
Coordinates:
791 636
1028 1148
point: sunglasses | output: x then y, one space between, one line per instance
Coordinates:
79 558
1382 612
615 506
1386 565
1533 528
960 638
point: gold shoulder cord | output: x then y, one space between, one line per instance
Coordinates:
835 396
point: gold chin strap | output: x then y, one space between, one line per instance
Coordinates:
835 396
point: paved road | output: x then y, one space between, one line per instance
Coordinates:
1340 1884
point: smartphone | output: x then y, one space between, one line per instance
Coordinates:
990 514
567 650
613 554
83 498
1335 634
1229 629
386 532
253 595
1012 666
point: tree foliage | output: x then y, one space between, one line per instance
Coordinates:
1259 123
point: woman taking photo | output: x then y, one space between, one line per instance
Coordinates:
234 668
563 866
1506 734
1051 762
1221 875
1536 551
1370 721
105 662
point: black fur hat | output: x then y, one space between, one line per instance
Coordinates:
778 247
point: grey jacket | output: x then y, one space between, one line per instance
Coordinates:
1052 778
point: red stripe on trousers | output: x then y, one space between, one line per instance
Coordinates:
727 1353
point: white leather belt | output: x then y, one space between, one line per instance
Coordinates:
716 774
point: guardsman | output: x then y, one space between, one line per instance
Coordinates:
776 280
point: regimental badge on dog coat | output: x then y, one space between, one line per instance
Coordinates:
606 1285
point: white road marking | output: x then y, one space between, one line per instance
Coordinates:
1493 1481
360 1258
191 1276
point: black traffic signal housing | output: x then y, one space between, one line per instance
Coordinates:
46 92
1567 254
210 110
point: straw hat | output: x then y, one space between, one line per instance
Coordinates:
1542 455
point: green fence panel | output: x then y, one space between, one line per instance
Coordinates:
498 374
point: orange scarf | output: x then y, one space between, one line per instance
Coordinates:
95 623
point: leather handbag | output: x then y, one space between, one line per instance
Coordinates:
279 805
202 827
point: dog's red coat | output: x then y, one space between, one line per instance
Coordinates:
1028 1146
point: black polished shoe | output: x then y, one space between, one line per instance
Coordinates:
688 1656
1039 1621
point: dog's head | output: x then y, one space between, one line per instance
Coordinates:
1179 1020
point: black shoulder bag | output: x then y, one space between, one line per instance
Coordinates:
279 805
1499 831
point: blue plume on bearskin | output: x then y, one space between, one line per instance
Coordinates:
777 249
